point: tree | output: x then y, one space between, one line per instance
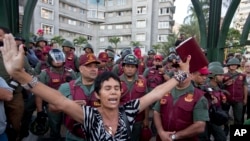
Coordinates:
114 40
58 39
191 30
166 45
135 43
156 47
80 40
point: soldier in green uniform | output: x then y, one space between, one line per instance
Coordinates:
54 76
83 86
181 114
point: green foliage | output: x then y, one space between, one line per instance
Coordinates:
191 30
166 45
135 43
58 39
80 40
114 40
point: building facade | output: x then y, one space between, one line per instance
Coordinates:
146 21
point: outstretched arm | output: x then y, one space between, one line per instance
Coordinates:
158 92
13 62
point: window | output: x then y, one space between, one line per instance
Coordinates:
102 27
110 3
89 37
119 13
140 37
82 11
102 39
71 22
48 29
71 8
162 38
109 27
119 26
164 11
141 23
83 1
121 2
141 10
47 14
163 24
92 14
48 1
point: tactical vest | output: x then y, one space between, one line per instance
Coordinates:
57 79
149 62
78 93
39 54
236 89
138 90
141 68
178 116
154 77
120 69
70 61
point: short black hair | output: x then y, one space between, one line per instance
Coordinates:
104 77
5 29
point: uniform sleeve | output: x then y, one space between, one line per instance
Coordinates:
145 73
43 77
157 106
38 68
201 110
65 90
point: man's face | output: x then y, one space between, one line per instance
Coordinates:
89 71
219 78
129 70
199 78
247 67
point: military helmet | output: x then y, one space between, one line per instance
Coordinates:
125 52
31 40
215 70
55 55
151 52
67 43
88 45
233 61
215 63
171 57
111 55
39 126
110 48
130 59
39 39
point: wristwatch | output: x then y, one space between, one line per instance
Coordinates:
173 137
31 84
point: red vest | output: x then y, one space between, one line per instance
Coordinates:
150 62
138 90
77 93
236 90
57 79
141 68
178 116
70 61
39 54
154 77
120 69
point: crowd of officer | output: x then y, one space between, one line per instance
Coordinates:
220 90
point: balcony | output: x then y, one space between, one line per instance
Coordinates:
68 14
115 32
119 19
75 3
95 20
77 29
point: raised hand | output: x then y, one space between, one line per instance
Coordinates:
184 66
13 57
